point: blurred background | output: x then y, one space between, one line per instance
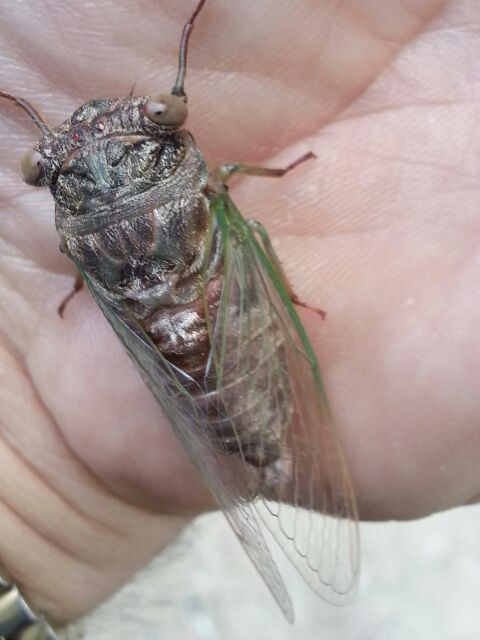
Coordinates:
418 580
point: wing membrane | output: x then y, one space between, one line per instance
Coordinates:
244 363
313 517
173 389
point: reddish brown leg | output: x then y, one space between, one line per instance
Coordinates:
225 171
296 300
270 251
77 286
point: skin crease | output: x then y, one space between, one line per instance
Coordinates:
381 231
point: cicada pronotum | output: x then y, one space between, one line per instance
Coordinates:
199 300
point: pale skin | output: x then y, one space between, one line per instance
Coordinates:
380 231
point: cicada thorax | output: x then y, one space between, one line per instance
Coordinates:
133 211
130 207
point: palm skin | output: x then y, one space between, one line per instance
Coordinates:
379 231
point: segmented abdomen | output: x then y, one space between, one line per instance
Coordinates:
241 389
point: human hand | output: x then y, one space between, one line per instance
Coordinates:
373 232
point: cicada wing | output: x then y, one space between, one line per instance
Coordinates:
173 390
311 513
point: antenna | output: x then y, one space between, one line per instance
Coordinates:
30 109
178 89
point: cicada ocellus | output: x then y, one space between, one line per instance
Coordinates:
199 300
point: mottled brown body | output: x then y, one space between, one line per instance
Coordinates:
132 211
130 204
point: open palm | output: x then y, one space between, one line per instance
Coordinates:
381 231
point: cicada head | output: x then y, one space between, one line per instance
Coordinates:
86 159
106 147
106 153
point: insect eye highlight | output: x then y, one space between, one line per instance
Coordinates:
32 167
166 109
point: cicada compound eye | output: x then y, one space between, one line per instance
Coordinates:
166 109
32 167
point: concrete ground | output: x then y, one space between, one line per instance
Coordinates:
418 580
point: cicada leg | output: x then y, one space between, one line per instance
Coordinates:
270 251
77 286
225 171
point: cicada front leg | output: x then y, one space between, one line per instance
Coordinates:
270 251
77 286
225 172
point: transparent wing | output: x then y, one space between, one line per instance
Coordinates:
259 350
174 391
309 506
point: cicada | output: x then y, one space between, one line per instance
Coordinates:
199 300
